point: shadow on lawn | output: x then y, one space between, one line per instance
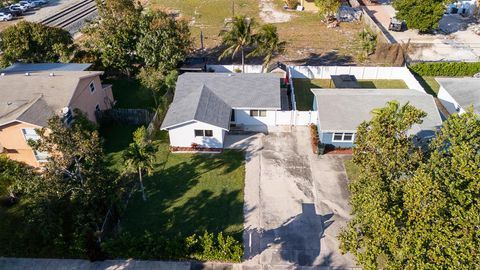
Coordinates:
170 210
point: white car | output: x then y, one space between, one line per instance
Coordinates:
20 7
5 16
28 4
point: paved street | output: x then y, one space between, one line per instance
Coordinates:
296 203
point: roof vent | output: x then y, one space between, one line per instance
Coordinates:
230 74
27 73
52 74
2 74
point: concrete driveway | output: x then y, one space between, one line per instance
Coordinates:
295 202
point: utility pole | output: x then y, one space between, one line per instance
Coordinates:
201 40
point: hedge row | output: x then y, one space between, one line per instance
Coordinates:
149 246
454 69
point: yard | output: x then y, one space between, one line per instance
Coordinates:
309 41
304 97
187 193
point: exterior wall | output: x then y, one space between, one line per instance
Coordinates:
449 102
13 141
184 136
326 138
256 123
86 101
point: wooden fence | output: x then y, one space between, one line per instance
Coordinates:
125 116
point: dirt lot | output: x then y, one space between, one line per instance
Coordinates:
459 43
309 41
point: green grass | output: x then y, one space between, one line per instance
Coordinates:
352 170
187 193
129 94
304 97
429 84
383 84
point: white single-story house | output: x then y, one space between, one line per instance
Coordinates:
341 111
457 94
208 105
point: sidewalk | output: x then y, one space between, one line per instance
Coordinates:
68 264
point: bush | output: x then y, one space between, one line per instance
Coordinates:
151 246
368 40
314 139
456 69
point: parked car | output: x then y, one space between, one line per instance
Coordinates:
39 2
5 16
19 7
14 13
28 4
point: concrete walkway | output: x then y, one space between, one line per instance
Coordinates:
66 264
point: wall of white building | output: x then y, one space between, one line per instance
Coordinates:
184 136
449 102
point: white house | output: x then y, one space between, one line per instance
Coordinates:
341 111
208 105
457 94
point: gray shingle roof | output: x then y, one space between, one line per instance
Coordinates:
345 109
25 67
203 106
35 98
466 91
235 90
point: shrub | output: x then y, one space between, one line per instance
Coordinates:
153 246
368 40
455 69
314 139
292 4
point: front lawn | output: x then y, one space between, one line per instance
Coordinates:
304 97
352 170
187 193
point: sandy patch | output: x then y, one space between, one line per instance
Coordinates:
270 14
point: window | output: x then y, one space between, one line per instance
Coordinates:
97 108
232 116
343 137
68 117
92 87
203 133
259 113
31 134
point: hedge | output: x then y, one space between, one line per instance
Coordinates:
453 69
152 246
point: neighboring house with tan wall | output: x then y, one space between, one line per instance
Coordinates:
29 99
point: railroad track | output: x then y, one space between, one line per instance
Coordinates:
71 15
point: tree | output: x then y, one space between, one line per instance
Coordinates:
327 9
423 15
164 41
387 157
34 42
267 43
412 212
114 36
11 172
238 37
76 188
442 200
140 156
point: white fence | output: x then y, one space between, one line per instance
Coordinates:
361 73
295 118
234 68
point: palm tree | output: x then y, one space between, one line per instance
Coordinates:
140 156
267 43
238 37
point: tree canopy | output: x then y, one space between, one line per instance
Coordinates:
327 8
34 42
414 208
68 202
125 38
423 15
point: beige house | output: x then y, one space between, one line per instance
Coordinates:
29 99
